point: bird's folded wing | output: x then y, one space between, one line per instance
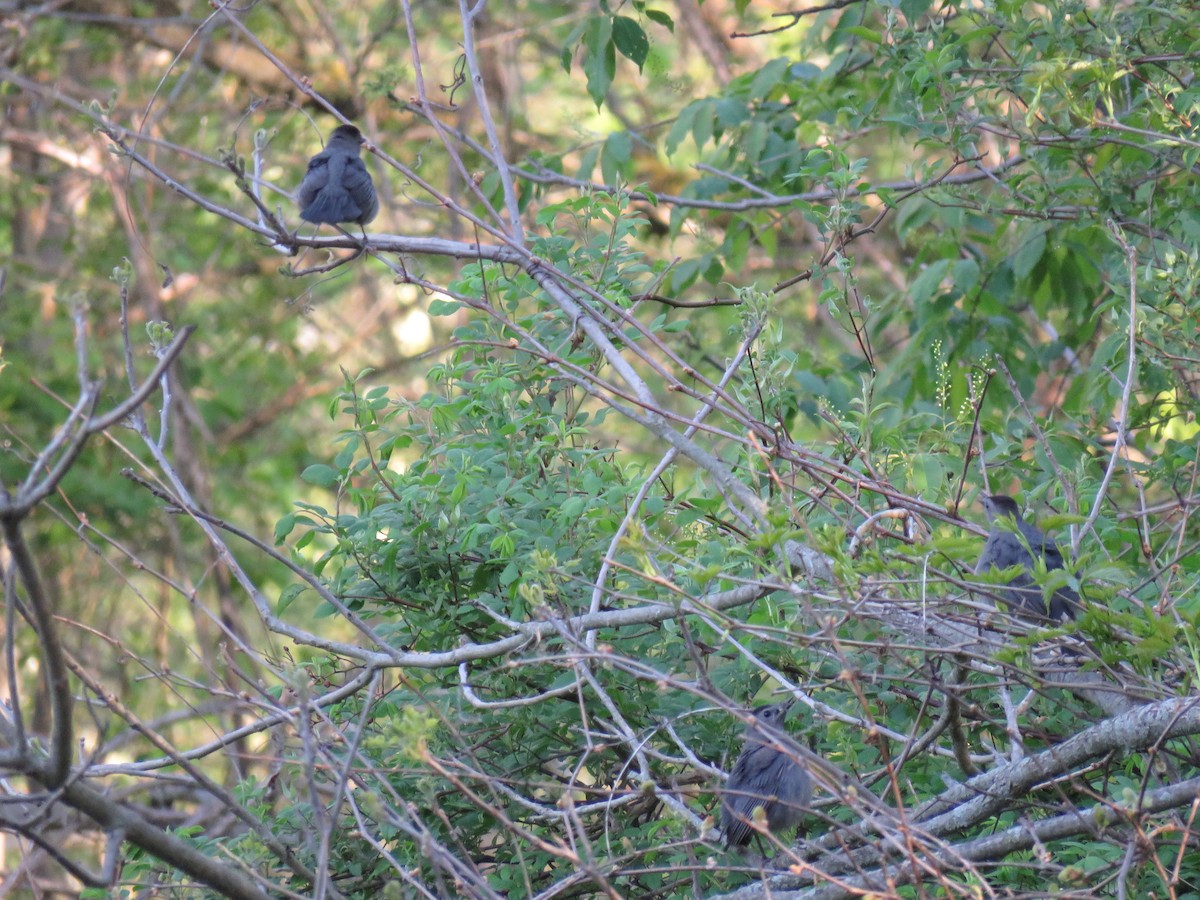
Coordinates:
315 179
358 184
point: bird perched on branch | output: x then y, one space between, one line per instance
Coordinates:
1014 542
337 186
767 775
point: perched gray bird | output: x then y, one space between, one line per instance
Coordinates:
337 187
767 774
1006 547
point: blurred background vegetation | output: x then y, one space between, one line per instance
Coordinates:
878 256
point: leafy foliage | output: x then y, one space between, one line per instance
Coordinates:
679 360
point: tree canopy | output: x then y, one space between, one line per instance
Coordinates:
443 557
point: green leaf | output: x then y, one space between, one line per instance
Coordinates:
681 127
769 77
284 527
661 18
618 149
601 63
568 51
574 507
631 40
869 34
1028 255
287 596
928 281
965 274
805 71
587 162
914 9
321 475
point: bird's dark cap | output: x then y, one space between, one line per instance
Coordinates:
347 131
785 705
1001 505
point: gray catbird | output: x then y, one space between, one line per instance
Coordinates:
1006 547
767 774
338 187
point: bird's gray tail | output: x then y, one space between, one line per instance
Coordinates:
332 205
